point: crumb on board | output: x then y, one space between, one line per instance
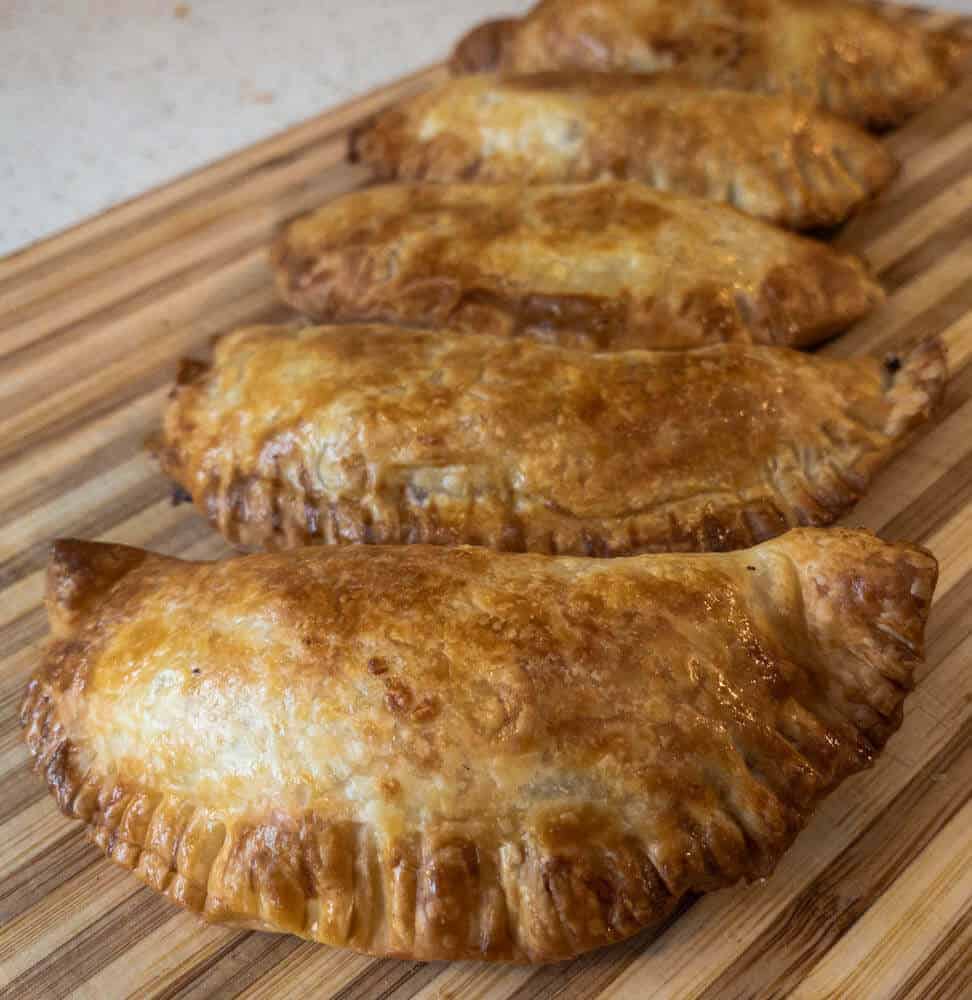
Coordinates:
181 11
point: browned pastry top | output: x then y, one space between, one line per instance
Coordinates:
847 58
454 753
378 434
609 266
772 157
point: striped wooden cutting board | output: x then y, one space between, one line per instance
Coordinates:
875 898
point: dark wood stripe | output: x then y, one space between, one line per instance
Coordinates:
190 982
121 390
201 219
588 976
14 680
946 973
951 624
86 524
935 507
94 948
60 862
934 124
28 495
20 633
895 205
924 256
49 428
938 316
233 968
390 979
19 789
127 306
178 265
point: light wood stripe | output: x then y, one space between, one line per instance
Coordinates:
873 899
933 897
160 963
914 299
174 243
917 227
90 949
26 837
304 969
179 330
66 911
242 230
929 251
64 859
926 161
945 973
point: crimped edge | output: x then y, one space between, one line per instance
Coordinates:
431 897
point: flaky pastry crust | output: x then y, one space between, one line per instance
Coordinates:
609 265
384 435
454 753
772 157
847 58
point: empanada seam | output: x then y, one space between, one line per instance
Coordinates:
414 524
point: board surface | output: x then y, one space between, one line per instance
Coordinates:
875 898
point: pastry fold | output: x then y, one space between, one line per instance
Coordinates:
772 157
848 58
456 753
383 435
608 265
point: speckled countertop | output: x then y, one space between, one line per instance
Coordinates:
101 100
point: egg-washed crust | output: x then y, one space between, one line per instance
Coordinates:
454 753
608 265
388 436
847 58
775 158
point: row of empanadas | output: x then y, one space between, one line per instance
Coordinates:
455 753
608 266
611 265
450 752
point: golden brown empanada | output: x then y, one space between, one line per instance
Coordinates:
772 157
845 57
453 753
608 266
371 434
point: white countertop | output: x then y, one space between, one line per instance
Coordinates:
101 100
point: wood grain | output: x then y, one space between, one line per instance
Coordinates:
874 899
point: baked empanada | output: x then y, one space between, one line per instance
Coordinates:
608 266
453 753
772 157
370 434
843 56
